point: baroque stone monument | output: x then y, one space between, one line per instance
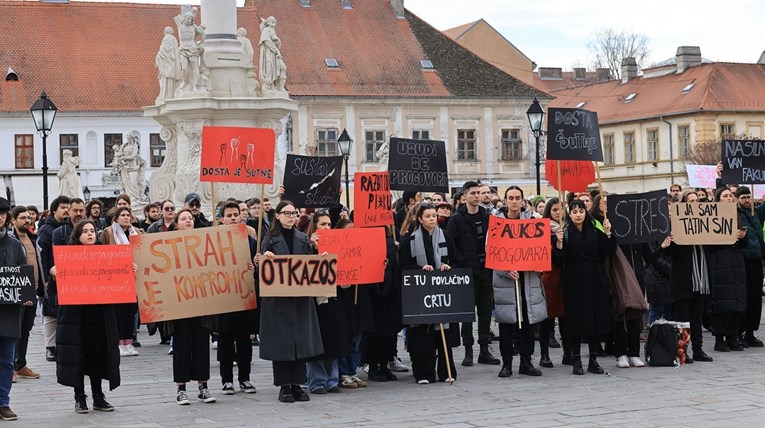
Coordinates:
218 84
68 180
128 165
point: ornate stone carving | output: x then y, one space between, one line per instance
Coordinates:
249 51
68 180
191 55
162 181
131 169
273 71
167 63
189 160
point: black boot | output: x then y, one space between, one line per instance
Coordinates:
732 344
545 361
576 362
100 403
507 367
720 345
527 368
567 360
700 355
593 366
299 393
387 373
468 360
81 403
485 357
285 394
375 374
552 343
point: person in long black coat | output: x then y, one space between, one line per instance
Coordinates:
579 250
657 285
424 342
87 341
289 327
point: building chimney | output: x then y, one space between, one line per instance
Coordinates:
603 74
305 3
550 73
398 8
629 68
346 4
686 57
580 73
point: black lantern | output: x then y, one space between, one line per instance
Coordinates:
344 142
44 112
536 113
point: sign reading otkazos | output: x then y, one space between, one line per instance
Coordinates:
298 276
437 297
573 134
704 223
187 273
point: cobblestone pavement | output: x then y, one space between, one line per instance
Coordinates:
726 392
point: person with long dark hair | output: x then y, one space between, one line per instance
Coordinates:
579 249
87 341
554 295
289 327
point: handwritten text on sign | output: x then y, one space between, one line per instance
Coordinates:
639 217
573 135
418 165
190 273
437 297
743 161
702 176
522 245
313 181
704 223
94 274
17 284
372 198
298 276
237 155
361 254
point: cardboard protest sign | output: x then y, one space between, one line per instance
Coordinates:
188 273
437 297
522 245
573 134
17 284
312 181
94 274
576 176
361 253
743 161
702 176
237 155
418 165
639 217
704 223
298 276
758 191
372 199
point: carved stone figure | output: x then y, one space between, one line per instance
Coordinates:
249 51
273 71
190 52
68 180
131 168
168 66
382 156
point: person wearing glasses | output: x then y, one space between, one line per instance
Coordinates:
167 222
193 202
289 333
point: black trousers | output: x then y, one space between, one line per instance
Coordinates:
235 344
191 350
376 350
27 322
627 337
126 314
95 387
484 302
753 296
425 365
525 339
575 344
726 325
289 372
691 310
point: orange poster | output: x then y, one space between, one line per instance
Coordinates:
94 274
188 273
372 199
298 276
361 253
522 245
237 155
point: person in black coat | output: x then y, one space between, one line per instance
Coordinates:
87 341
657 286
417 251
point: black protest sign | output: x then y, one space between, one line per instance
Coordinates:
417 165
312 181
743 161
639 217
573 134
17 284
437 297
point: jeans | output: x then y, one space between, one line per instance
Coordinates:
348 364
322 374
658 311
7 353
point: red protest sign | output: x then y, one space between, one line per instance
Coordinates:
522 245
237 155
360 253
575 175
94 274
372 199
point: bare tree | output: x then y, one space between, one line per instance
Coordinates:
609 46
709 152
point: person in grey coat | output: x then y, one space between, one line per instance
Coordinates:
289 326
534 306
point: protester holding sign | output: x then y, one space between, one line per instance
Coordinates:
428 248
554 297
753 253
87 341
579 250
289 327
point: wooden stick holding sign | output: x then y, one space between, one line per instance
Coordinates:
518 303
561 195
261 217
449 379
600 192
213 202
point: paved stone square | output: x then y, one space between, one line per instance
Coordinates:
727 392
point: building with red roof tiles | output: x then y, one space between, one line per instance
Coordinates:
369 66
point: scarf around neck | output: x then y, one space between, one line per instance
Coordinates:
440 252
119 235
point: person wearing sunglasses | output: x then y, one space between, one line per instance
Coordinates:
193 202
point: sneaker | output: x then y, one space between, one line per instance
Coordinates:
170 352
131 351
81 404
204 395
319 391
100 403
622 362
50 354
7 414
364 368
357 380
182 398
26 373
334 390
136 343
255 341
397 366
636 362
423 382
348 382
247 387
123 351
228 388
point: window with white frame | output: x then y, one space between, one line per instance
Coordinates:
683 140
511 146
727 131
652 142
629 147
466 144
373 139
110 140
68 142
157 150
421 134
608 149
326 142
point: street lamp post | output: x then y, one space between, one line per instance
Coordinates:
86 194
44 112
536 113
345 142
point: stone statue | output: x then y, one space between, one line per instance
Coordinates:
68 180
249 52
273 71
190 52
131 168
168 65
